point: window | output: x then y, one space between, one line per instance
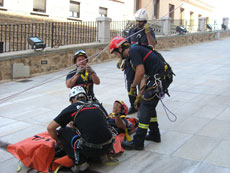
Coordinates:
182 17
1 2
39 6
156 9
103 11
136 5
74 9
171 11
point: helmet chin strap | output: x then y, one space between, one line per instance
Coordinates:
121 53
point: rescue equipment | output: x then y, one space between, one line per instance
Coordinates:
38 152
79 53
141 15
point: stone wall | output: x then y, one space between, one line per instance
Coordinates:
60 58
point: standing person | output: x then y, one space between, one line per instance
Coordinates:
149 63
89 136
83 75
145 37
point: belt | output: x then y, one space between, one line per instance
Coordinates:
97 146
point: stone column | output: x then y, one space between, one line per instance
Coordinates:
202 24
103 25
166 26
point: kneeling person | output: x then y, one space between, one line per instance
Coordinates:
89 137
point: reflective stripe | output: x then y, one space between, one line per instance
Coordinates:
146 56
88 108
143 126
153 120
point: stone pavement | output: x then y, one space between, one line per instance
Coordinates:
197 142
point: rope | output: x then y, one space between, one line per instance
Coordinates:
2 100
51 79
160 96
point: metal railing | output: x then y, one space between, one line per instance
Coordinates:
14 37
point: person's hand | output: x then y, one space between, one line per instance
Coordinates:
133 91
59 144
116 108
89 69
137 102
147 28
80 69
119 63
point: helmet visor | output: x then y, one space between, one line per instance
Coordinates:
80 52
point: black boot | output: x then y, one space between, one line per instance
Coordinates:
155 138
130 145
132 110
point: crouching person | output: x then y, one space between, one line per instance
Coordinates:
89 137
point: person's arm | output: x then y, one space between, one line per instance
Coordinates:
119 122
70 82
150 35
150 39
142 86
139 74
95 78
53 132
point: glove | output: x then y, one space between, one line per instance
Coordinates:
133 91
119 63
137 102
147 28
80 69
90 70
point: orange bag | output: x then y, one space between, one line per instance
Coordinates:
117 148
38 152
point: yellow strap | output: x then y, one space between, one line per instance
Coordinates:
85 78
19 166
143 126
112 115
166 67
153 119
56 170
127 135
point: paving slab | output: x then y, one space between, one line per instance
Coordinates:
198 141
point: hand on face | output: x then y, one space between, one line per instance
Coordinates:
116 108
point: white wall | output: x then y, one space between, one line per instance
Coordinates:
89 9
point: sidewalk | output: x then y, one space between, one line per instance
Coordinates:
197 142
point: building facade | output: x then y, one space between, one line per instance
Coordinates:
66 10
88 10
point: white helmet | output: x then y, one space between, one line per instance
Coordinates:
76 91
141 15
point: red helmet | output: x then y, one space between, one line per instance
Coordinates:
116 42
124 107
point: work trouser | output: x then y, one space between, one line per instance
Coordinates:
129 74
147 119
66 134
147 111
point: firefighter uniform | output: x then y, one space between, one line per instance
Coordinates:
129 71
159 72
